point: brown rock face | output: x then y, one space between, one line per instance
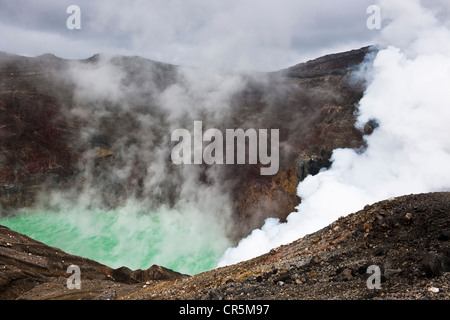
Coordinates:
32 132
315 116
47 146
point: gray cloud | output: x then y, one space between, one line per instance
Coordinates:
250 34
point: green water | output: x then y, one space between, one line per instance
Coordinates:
187 241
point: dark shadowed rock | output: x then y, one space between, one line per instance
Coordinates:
156 272
214 295
379 252
444 235
432 264
123 274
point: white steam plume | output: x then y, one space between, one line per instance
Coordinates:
409 152
125 109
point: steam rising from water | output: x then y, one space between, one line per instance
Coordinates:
410 150
147 209
129 204
188 241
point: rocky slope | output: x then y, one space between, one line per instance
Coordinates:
406 237
29 267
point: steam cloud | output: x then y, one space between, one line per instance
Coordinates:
125 110
408 96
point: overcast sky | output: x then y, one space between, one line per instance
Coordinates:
251 34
